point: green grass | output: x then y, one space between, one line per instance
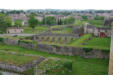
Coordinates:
97 23
80 22
81 66
99 43
64 31
90 66
81 40
15 59
37 30
58 26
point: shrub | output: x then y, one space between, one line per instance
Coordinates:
1 39
87 49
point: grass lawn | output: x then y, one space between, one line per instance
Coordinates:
80 40
92 22
94 42
99 43
96 22
58 26
64 31
81 66
38 29
15 59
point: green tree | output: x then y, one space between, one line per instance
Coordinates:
43 21
18 23
5 22
51 20
85 17
32 21
70 20
59 22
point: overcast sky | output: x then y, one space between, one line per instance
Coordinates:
56 4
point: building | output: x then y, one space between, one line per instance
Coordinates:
97 31
15 30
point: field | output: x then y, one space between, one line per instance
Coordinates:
80 66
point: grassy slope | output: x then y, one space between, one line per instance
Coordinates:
81 40
15 59
81 66
95 42
99 43
90 66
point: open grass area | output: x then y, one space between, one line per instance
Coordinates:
97 23
37 30
99 43
81 66
80 22
81 40
15 59
58 26
87 41
64 31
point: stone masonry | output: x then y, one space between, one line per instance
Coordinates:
111 54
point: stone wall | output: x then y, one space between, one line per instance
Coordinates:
10 41
64 50
73 51
111 54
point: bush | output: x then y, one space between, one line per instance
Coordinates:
87 49
1 39
26 41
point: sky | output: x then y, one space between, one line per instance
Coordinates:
56 4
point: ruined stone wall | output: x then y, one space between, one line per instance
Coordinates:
73 51
10 41
63 50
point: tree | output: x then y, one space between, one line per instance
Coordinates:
32 21
51 20
18 23
85 17
43 21
5 22
59 22
69 20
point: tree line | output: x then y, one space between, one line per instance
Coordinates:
5 21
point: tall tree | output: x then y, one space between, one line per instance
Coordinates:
32 21
43 21
5 22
